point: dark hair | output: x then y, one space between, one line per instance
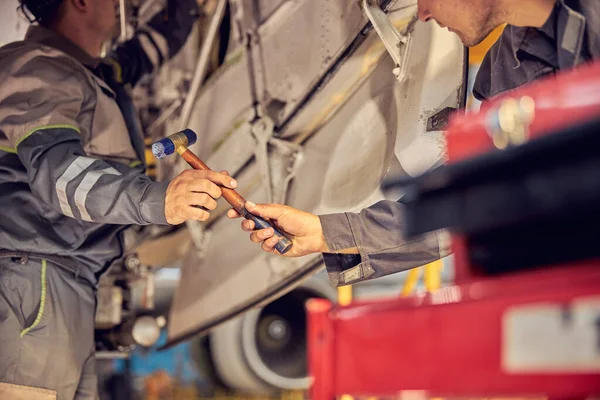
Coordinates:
46 12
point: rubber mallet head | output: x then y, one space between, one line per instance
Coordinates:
177 142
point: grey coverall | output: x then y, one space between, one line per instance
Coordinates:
71 181
570 37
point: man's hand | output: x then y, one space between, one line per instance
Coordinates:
192 194
304 229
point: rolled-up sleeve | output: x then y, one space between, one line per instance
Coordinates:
377 233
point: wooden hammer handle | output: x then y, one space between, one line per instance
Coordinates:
238 203
234 198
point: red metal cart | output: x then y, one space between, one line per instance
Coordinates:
532 333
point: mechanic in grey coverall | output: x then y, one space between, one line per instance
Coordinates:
71 181
542 37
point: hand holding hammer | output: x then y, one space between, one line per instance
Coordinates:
179 142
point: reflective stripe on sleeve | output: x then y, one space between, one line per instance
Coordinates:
150 49
77 167
160 41
83 190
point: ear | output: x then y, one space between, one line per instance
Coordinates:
80 5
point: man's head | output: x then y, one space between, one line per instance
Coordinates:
471 20
96 17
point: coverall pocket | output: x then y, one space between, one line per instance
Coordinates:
23 288
42 303
9 391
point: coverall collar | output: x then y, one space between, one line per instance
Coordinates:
39 34
565 27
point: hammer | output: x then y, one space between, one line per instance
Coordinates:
178 142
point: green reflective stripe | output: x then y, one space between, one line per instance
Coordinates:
8 149
40 313
135 163
41 128
117 69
